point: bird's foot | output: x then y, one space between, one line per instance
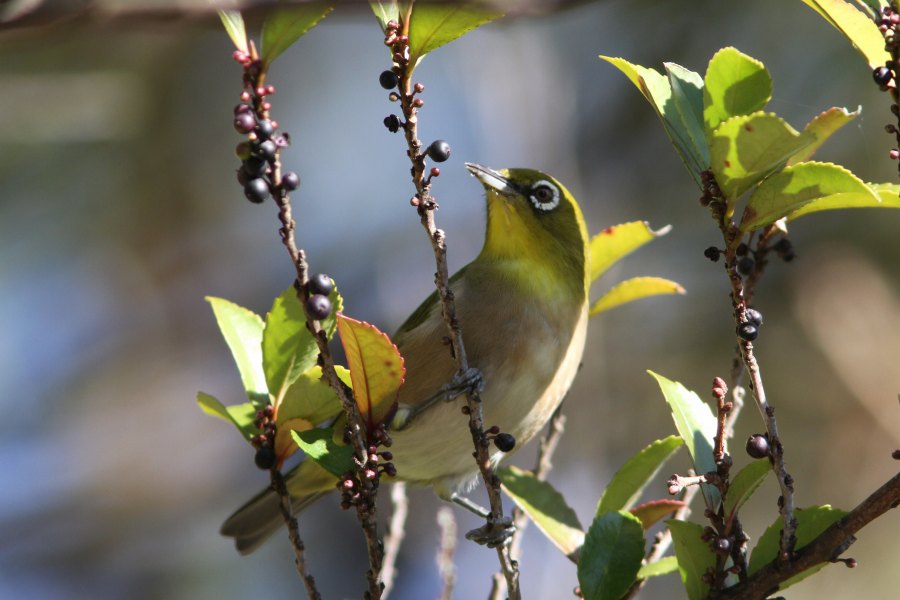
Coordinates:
469 381
493 534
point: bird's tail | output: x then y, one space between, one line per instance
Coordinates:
254 522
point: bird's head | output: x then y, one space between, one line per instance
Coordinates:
533 217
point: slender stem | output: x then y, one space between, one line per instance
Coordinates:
446 550
426 206
294 534
394 538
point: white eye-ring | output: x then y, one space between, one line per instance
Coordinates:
544 195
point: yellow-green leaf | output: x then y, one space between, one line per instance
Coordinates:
545 506
376 369
694 556
663 566
285 446
615 243
734 85
243 332
745 149
859 29
321 446
651 513
821 128
242 416
630 480
284 26
785 193
635 289
887 194
433 25
234 26
385 12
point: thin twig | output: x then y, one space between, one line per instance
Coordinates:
294 534
446 550
395 534
827 546
426 206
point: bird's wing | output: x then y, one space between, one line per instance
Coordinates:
421 314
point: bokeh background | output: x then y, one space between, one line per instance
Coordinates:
119 212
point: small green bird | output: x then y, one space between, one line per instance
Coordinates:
523 307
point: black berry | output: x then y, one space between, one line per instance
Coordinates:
265 129
388 80
722 546
392 122
745 265
267 150
505 442
256 190
755 317
320 283
438 151
290 181
318 306
255 166
242 176
747 331
712 253
882 75
783 246
244 122
242 108
757 446
265 458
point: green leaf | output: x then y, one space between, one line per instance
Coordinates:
433 25
234 25
744 485
887 195
651 513
639 470
376 369
810 523
735 85
611 556
657 90
284 26
634 289
697 426
242 416
860 30
821 128
687 95
694 556
663 566
783 194
615 243
288 348
311 398
545 506
320 446
385 11
746 149
243 332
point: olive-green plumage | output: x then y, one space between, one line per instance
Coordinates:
522 304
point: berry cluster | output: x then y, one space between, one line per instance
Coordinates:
318 288
377 463
265 442
886 76
259 153
749 329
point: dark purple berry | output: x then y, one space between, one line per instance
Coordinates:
318 306
712 253
438 151
244 122
265 129
742 249
745 265
242 176
320 283
265 458
267 150
290 181
388 80
758 446
242 108
256 190
255 166
722 546
747 331
392 122
755 317
505 442
882 76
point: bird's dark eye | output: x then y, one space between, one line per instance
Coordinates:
544 196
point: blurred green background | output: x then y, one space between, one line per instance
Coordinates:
119 212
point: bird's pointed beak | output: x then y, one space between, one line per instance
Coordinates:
490 178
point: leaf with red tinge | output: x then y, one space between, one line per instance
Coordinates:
615 243
651 513
284 440
376 369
